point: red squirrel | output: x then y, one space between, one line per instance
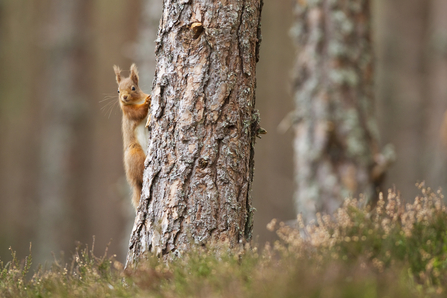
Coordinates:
135 106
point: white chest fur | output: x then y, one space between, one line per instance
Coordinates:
141 134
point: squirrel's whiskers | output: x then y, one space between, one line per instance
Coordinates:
109 105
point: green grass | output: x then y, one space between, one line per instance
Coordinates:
390 251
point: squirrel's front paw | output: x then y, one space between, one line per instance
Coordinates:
148 100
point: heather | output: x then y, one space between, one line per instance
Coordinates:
393 249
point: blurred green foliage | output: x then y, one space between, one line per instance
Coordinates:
390 251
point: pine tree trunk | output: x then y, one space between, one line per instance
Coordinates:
436 111
412 75
66 129
336 134
147 33
403 82
199 166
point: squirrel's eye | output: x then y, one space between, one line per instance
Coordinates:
133 88
118 91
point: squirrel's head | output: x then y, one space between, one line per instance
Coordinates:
128 90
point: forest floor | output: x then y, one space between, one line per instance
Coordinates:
394 250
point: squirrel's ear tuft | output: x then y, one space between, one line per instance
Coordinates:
134 73
117 73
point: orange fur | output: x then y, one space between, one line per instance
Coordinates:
135 106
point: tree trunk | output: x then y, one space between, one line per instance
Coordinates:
199 167
19 105
66 129
412 75
274 185
403 75
147 33
336 138
145 59
56 60
436 112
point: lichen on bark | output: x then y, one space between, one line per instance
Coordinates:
336 142
199 167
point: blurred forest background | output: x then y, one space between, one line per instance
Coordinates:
61 169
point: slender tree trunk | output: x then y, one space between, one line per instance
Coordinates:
436 113
336 138
19 105
109 214
403 89
145 60
274 185
413 80
66 129
150 18
199 168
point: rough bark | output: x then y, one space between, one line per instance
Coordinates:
336 138
199 167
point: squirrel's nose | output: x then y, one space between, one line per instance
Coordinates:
125 97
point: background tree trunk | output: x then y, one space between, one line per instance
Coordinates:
66 126
147 33
144 57
435 152
274 185
411 95
199 168
402 80
57 60
19 154
336 139
412 45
